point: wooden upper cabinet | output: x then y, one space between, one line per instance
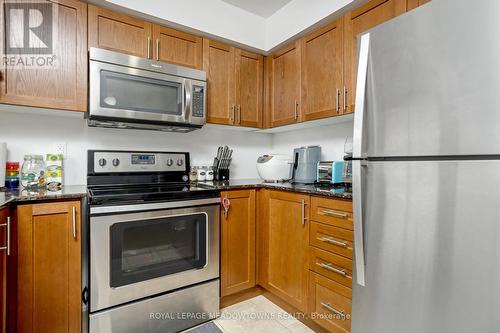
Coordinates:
238 242
177 47
284 69
285 233
411 4
322 72
218 62
49 268
359 20
62 85
120 33
235 85
249 88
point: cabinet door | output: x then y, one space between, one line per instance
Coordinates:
120 33
62 82
177 47
322 72
285 105
285 242
4 213
49 268
238 242
361 19
218 62
249 88
411 4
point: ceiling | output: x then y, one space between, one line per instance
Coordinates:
263 8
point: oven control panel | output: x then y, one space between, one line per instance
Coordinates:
124 162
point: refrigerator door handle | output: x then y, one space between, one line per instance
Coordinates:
357 142
357 200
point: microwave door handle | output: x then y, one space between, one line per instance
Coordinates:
188 101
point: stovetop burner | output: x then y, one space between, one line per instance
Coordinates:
118 177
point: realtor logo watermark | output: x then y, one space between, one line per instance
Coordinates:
30 35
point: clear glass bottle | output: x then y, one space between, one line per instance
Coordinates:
33 172
210 173
193 175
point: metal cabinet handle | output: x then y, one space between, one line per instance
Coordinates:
233 111
330 267
74 221
158 49
332 241
149 47
337 98
7 246
333 213
238 109
332 309
303 211
345 99
296 115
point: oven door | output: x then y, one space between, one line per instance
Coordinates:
140 254
124 93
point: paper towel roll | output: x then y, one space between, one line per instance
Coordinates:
3 160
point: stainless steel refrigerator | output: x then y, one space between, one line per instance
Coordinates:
426 174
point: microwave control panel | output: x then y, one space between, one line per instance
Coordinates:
198 101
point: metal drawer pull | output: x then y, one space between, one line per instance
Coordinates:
74 221
7 246
331 268
331 308
332 241
328 212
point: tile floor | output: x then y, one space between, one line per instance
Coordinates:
258 314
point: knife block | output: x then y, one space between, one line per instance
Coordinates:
223 174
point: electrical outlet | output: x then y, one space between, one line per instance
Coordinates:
60 148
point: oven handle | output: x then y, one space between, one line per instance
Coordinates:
153 206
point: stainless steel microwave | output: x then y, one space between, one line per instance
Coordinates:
132 92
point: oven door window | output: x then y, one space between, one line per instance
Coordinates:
136 93
147 249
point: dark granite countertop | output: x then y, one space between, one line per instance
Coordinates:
22 195
322 190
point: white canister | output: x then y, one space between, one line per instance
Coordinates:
202 174
3 161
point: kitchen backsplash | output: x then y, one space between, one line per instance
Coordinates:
33 132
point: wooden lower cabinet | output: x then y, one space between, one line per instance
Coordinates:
329 303
285 237
49 268
4 230
238 242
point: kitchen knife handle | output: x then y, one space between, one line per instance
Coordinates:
357 140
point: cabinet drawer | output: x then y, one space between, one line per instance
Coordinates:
333 212
333 239
329 304
331 265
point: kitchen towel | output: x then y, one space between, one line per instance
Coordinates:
3 161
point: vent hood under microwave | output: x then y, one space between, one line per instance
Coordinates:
131 92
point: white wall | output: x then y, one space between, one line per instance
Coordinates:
36 133
331 139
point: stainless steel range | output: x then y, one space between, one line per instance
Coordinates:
154 244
